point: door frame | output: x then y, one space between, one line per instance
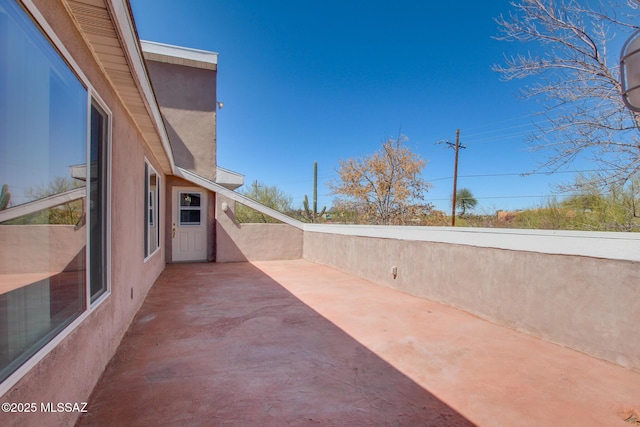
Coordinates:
175 224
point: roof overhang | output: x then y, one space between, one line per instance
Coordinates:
109 30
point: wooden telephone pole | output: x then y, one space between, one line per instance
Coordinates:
457 147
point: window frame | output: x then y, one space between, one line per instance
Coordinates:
152 211
95 99
41 24
181 208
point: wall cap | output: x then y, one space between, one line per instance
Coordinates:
607 245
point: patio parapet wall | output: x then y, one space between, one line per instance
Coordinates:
236 242
576 289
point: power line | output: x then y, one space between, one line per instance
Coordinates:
503 128
523 174
543 196
499 138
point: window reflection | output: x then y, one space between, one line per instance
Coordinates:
43 152
190 209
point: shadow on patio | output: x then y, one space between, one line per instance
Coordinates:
296 343
224 344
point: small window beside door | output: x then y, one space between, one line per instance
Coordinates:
190 208
152 210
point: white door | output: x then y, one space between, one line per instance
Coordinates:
189 224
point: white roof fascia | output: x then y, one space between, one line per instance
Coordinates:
179 55
217 188
122 19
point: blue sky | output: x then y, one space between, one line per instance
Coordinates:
323 81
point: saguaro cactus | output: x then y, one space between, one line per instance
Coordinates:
313 216
5 196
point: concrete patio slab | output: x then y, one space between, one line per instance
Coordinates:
295 343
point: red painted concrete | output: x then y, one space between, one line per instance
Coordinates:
295 343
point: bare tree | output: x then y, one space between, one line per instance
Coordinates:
577 80
385 187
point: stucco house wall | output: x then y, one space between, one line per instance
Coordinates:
187 99
77 358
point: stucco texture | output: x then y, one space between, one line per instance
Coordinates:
69 372
236 242
587 304
187 99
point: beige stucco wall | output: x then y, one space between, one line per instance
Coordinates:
187 99
589 304
237 242
69 372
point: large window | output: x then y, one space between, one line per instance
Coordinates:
152 210
53 207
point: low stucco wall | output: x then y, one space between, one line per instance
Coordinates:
237 242
585 303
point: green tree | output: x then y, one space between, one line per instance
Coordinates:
613 207
465 201
69 213
591 207
269 196
385 187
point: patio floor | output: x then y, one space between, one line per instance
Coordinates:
295 343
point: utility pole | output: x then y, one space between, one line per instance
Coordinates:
457 147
